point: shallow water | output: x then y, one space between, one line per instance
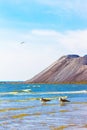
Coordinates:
21 108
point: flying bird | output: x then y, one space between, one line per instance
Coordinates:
22 42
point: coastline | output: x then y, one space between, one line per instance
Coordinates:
24 82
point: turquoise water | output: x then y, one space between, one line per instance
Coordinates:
21 108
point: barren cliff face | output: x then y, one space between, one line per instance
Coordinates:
70 68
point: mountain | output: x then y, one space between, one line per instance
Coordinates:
69 68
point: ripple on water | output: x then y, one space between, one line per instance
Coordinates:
22 109
20 115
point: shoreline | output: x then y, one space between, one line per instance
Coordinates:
24 82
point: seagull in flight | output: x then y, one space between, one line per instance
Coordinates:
22 42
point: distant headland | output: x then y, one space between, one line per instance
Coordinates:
67 69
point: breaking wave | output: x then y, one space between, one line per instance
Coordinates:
67 92
28 91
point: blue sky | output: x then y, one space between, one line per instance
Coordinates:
49 28
43 15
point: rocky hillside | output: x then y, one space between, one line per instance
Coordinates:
70 68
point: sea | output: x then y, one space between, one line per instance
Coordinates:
21 108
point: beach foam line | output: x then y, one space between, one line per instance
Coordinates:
39 93
22 92
67 92
6 93
27 90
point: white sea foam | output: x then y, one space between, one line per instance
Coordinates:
67 92
36 86
39 93
27 90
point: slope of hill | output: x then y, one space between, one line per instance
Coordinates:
70 68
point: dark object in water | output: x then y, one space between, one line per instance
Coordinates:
45 100
63 100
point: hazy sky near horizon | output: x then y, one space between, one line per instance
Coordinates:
48 28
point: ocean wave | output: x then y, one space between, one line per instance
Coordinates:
36 86
8 93
65 92
28 91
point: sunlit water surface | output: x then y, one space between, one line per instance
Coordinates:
21 108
